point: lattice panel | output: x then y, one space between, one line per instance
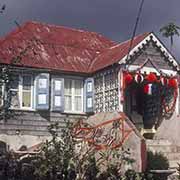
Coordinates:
98 93
106 91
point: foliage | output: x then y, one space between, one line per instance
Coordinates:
169 31
157 161
6 77
60 160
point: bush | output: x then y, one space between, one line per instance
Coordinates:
156 161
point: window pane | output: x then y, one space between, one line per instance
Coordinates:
14 99
26 82
26 99
14 82
68 103
78 87
78 103
68 87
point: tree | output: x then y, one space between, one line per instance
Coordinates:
169 31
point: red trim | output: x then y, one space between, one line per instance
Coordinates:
143 155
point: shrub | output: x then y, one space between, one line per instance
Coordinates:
156 161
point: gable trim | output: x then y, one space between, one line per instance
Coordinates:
152 37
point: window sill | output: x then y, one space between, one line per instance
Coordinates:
74 112
34 110
22 109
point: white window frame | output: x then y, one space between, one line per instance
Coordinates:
20 93
73 95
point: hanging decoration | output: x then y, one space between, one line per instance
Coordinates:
166 88
148 89
139 78
172 83
151 78
163 80
128 78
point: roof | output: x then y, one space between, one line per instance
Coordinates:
115 53
53 47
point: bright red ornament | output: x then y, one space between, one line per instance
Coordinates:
172 83
151 77
128 78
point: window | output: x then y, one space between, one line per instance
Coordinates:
26 91
14 92
73 95
21 92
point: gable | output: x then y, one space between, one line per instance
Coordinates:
155 56
151 47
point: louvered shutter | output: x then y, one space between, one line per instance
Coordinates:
89 95
57 94
42 91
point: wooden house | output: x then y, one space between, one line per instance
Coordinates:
61 73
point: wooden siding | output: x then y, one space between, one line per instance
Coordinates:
35 123
154 55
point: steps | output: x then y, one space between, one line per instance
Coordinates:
170 150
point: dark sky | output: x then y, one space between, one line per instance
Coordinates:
113 18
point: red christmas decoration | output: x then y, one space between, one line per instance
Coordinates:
151 77
148 89
172 83
128 78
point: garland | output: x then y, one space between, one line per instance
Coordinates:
148 82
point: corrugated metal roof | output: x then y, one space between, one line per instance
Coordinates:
115 53
58 48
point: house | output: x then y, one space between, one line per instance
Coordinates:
61 73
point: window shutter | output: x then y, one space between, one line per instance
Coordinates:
57 94
89 95
42 91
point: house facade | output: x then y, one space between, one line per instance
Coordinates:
60 74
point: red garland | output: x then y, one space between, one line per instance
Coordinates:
170 109
151 78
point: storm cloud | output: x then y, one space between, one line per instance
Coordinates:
114 19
